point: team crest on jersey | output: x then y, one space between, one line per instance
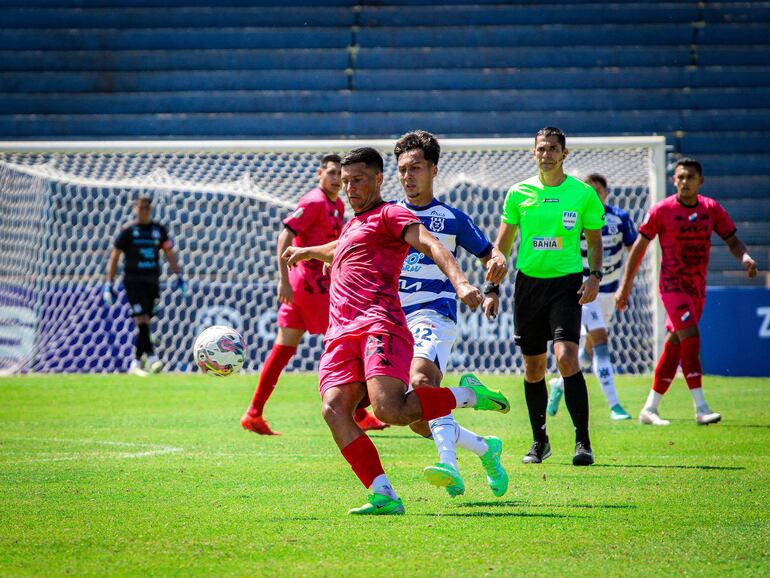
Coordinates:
155 234
436 224
692 218
569 219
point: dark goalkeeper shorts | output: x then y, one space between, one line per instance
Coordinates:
546 310
143 295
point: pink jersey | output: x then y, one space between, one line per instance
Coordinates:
685 241
365 271
315 221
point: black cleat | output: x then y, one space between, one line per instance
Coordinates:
584 456
537 453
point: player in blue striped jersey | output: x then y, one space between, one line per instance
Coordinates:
430 304
618 233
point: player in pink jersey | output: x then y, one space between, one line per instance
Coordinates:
683 224
303 291
368 346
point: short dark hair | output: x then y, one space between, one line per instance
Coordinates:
143 199
419 139
330 158
598 178
689 162
553 131
367 155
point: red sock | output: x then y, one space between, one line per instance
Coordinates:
360 414
363 459
278 359
435 401
691 361
666 368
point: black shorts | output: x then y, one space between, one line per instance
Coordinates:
546 310
143 295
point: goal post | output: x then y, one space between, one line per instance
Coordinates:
63 202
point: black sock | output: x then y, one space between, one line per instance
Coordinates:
143 342
536 395
576 398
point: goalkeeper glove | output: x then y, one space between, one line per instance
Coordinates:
108 294
181 284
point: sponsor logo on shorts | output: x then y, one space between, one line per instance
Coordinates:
546 243
569 219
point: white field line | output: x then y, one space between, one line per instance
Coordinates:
154 450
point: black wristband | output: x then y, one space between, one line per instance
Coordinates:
598 274
490 288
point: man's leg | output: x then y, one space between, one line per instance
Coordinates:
283 350
339 405
143 344
576 399
689 341
536 396
605 373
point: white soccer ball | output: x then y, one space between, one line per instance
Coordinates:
219 350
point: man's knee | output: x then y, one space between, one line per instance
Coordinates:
419 379
567 358
534 368
391 411
334 412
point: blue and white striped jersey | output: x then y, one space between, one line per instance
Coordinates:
422 285
618 232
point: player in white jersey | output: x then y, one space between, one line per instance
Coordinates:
617 233
430 304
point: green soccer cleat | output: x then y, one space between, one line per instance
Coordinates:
445 476
554 399
617 413
497 478
379 505
486 399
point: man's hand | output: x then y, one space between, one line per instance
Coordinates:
491 305
621 297
497 269
750 265
285 292
109 296
469 294
181 283
293 255
589 290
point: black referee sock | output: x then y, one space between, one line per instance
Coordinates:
536 395
143 342
576 398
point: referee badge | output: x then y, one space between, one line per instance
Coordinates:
569 219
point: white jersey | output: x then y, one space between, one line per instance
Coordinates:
618 232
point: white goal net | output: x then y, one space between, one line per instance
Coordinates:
62 204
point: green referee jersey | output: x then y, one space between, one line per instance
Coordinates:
550 221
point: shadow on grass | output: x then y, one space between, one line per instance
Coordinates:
529 505
751 425
495 515
676 467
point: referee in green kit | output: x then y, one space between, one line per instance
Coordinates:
551 209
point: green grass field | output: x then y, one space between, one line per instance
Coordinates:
112 475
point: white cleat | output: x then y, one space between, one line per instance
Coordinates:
154 364
136 368
651 417
707 418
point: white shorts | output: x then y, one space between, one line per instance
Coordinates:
434 336
598 313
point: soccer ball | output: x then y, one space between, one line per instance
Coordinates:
219 350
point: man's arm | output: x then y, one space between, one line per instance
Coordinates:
632 267
285 292
293 255
497 266
590 287
505 238
423 241
112 265
738 249
171 258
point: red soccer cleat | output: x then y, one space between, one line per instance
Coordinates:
257 424
370 423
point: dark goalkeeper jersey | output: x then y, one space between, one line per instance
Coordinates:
141 245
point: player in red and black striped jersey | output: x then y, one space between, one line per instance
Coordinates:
140 243
683 224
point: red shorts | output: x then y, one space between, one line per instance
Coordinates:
682 310
356 358
309 312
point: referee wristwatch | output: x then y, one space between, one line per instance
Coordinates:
598 274
490 288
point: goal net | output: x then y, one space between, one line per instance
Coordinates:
62 204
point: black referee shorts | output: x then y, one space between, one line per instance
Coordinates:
546 310
143 295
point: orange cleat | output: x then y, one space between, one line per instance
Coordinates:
257 424
370 423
